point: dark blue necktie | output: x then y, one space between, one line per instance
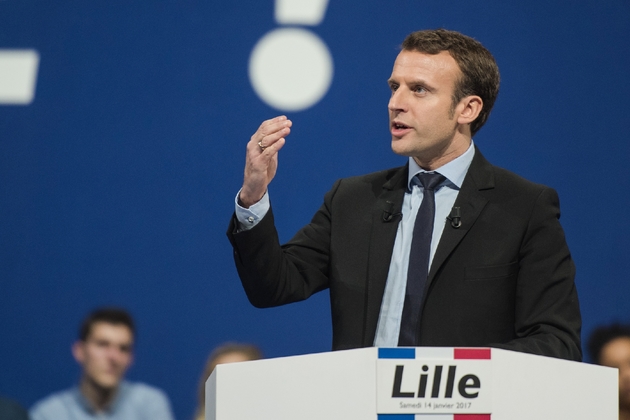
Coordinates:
418 271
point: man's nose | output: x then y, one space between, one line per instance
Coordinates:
397 101
115 354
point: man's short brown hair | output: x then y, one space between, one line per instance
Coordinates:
109 315
480 73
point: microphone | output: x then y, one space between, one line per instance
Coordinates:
455 217
388 213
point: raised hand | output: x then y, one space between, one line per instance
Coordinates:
261 161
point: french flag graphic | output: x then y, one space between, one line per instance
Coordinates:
434 417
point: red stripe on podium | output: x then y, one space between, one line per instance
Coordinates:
483 354
471 417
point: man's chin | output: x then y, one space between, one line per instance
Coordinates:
399 150
107 384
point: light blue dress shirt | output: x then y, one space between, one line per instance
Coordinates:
388 327
394 297
134 401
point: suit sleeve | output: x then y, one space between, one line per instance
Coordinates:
274 275
547 313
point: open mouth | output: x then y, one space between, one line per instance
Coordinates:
399 126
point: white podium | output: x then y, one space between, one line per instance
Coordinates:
412 383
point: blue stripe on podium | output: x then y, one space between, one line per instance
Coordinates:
397 353
396 416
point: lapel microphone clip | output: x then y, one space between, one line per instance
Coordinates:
455 217
388 213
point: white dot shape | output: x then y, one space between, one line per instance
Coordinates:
304 12
290 69
18 76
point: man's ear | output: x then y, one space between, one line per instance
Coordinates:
78 351
469 108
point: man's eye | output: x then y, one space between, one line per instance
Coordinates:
393 88
419 89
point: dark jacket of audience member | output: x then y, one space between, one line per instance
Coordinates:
10 410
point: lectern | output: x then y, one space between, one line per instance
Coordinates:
421 383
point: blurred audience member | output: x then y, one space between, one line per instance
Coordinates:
610 346
10 410
226 353
105 352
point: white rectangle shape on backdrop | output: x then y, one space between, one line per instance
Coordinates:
18 76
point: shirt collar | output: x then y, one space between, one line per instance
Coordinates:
89 408
454 171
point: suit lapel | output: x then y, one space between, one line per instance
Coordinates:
382 238
480 176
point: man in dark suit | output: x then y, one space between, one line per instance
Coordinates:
475 257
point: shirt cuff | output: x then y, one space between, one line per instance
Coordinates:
248 218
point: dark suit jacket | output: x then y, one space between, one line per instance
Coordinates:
10 410
503 279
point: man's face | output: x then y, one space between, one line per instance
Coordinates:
617 354
106 354
423 122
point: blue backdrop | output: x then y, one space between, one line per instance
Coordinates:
117 182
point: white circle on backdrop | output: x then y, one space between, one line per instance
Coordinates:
290 69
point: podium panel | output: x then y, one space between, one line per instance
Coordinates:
412 384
